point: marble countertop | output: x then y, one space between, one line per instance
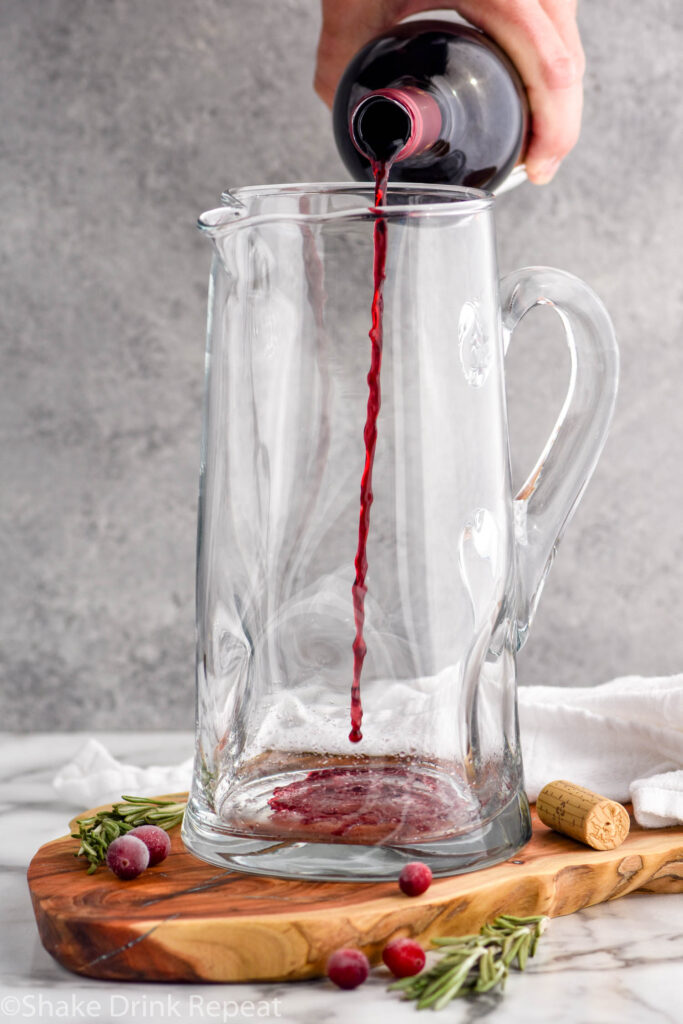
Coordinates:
617 963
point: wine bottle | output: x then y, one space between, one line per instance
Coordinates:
438 100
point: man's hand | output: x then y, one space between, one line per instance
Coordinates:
540 36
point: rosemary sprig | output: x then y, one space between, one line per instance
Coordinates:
475 963
98 831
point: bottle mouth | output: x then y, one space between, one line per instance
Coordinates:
381 127
392 124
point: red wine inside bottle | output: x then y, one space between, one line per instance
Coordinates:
439 98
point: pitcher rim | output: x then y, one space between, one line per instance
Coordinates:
234 212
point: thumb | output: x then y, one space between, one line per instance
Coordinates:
346 27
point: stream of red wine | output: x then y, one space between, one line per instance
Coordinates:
359 589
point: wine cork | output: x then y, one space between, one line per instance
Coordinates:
583 815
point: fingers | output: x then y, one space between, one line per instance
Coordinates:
556 106
542 39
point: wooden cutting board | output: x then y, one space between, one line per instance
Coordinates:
185 920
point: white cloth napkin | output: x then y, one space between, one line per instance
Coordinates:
95 777
623 739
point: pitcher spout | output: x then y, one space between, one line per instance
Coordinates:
216 222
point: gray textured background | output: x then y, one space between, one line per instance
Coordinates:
119 122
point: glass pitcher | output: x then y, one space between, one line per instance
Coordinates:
455 560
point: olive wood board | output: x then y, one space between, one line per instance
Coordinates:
185 920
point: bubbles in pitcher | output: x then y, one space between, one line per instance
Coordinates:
475 348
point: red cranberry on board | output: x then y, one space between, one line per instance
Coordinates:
415 878
156 839
404 957
348 968
127 857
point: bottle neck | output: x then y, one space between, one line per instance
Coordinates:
392 124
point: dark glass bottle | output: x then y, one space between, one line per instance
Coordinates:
440 99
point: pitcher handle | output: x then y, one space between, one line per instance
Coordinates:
547 499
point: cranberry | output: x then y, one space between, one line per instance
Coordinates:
415 878
127 856
403 957
155 839
348 968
